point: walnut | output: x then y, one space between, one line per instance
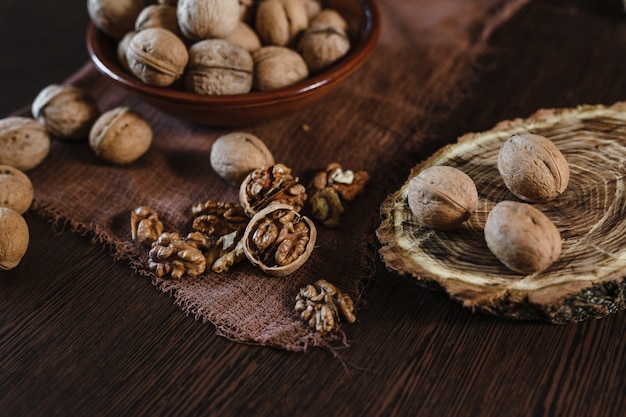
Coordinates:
278 22
330 188
115 17
236 154
67 112
273 184
522 238
204 19
145 225
313 8
330 17
171 255
120 136
157 56
244 36
322 45
24 142
218 67
322 306
219 228
276 67
442 197
279 240
533 168
158 16
16 189
122 48
14 238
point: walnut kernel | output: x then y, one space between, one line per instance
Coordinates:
270 185
322 306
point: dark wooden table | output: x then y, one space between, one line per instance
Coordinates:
81 336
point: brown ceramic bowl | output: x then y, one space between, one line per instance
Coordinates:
255 107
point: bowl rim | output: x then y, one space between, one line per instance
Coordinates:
369 35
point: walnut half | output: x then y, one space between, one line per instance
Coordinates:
322 306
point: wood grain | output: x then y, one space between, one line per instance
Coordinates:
81 335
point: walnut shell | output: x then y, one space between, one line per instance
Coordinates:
67 112
115 17
276 67
120 136
218 67
533 168
24 142
442 197
244 36
16 189
278 22
332 18
322 45
235 155
14 238
157 57
204 19
278 240
158 16
122 48
522 237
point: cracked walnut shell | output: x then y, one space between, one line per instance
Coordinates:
270 185
279 240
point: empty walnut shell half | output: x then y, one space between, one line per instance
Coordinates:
279 240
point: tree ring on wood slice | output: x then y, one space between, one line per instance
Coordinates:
587 281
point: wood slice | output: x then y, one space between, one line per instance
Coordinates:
587 281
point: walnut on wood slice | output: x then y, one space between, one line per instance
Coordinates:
587 281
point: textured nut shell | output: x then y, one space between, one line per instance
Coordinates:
67 112
122 48
203 19
244 36
442 197
276 67
16 189
24 142
158 16
330 17
278 271
235 155
115 17
218 67
120 136
313 8
533 168
278 22
157 57
522 237
322 45
14 238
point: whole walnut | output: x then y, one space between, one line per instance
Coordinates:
120 136
16 189
24 142
14 238
67 112
115 17
204 19
533 168
332 18
278 22
122 48
276 67
157 57
235 155
244 36
522 238
218 67
158 16
322 45
442 197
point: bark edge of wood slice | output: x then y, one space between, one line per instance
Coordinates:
588 281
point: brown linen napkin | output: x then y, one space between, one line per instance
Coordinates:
375 121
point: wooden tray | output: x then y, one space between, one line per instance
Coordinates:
587 281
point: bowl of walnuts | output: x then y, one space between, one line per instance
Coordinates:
231 62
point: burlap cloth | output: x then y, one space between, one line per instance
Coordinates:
376 120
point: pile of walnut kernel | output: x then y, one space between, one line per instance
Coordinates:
222 47
266 227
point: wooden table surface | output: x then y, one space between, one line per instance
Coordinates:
81 336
